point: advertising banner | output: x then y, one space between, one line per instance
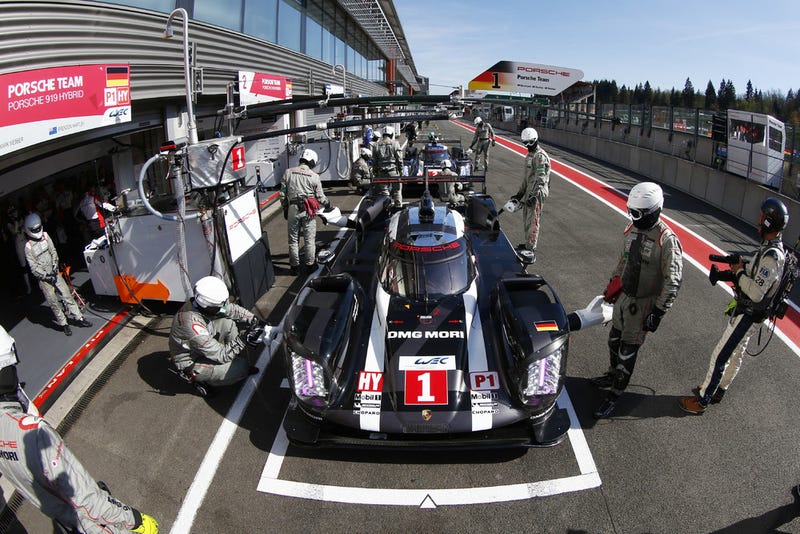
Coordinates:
44 104
514 77
258 87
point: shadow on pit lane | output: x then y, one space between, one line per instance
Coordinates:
769 521
638 402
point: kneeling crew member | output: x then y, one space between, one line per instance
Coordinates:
205 342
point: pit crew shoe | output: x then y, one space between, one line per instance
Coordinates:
67 330
82 322
606 408
716 398
603 381
692 405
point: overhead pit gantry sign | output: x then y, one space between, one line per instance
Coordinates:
514 77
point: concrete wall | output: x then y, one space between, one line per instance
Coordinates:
656 157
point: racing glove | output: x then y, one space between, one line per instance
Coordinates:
512 205
652 320
254 334
147 526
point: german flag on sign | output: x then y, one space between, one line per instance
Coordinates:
546 326
117 77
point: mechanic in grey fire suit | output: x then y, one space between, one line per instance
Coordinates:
301 198
43 261
205 343
484 136
756 283
361 171
387 161
649 272
35 460
535 186
450 190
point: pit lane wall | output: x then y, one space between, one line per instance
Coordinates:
656 158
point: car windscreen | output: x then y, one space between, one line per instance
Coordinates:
426 272
435 156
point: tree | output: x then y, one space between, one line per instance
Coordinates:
711 96
687 97
748 92
624 96
648 93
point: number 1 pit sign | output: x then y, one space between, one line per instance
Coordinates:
514 77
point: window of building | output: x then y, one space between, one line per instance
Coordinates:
289 24
261 19
314 30
225 14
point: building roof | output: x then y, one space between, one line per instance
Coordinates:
380 20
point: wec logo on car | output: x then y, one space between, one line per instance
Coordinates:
416 363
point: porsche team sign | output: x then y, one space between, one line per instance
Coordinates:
511 76
44 104
258 87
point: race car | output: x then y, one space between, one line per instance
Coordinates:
429 160
424 330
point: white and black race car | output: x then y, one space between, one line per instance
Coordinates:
426 331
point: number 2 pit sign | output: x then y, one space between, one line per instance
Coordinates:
44 104
531 78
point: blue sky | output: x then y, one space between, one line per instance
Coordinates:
627 41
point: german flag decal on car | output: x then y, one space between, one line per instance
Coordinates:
546 326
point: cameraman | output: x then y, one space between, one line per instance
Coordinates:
754 284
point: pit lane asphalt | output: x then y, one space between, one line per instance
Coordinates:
145 433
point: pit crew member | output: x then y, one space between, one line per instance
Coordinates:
205 343
649 273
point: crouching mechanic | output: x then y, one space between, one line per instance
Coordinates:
450 190
649 272
756 283
205 343
361 171
35 460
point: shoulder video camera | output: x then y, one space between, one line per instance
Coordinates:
715 274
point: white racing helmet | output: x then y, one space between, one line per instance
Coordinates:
388 131
529 136
477 121
33 226
310 157
210 294
645 202
365 152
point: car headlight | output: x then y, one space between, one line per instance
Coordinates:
543 375
310 383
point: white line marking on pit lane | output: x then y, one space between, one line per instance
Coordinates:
433 498
202 480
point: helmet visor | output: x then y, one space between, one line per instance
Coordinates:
636 214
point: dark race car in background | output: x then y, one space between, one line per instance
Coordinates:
425 331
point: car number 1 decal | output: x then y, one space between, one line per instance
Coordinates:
426 387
